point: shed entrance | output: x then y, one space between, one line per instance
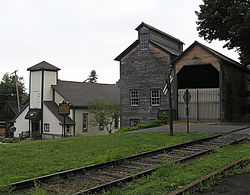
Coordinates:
203 84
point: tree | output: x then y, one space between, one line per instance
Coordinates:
8 88
227 20
117 83
92 77
105 113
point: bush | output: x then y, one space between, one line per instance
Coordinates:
36 136
163 117
152 123
9 140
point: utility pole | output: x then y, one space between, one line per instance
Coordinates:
167 90
170 104
17 91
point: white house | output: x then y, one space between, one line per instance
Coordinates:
47 91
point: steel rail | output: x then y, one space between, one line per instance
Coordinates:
64 174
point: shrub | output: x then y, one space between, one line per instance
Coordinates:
37 136
152 123
9 140
163 117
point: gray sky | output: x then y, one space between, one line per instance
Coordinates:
83 35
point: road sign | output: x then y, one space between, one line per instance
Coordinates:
187 96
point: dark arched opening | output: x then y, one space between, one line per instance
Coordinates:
198 76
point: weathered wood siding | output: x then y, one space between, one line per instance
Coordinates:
202 57
234 90
170 43
142 70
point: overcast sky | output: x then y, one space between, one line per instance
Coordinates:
83 35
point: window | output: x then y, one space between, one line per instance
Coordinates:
155 97
46 127
68 131
85 122
134 97
134 122
144 42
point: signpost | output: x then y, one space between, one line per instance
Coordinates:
187 98
64 110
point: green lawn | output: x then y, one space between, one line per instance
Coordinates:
170 177
24 160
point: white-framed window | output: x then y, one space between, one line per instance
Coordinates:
84 122
134 122
144 42
134 97
46 127
155 97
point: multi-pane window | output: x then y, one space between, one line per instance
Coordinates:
144 42
134 122
46 127
155 97
134 97
85 122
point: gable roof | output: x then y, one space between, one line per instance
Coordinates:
158 45
215 53
13 106
80 94
43 66
53 107
143 24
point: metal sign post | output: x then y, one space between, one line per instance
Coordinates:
187 98
64 109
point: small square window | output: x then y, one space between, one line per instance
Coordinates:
134 122
134 97
155 97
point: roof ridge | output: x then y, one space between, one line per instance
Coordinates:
230 59
85 82
159 31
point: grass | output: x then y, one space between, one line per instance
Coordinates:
170 177
26 160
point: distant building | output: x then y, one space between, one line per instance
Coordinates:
8 111
218 84
143 69
47 91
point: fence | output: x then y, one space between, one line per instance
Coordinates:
203 106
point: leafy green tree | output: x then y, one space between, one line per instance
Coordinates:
105 113
8 88
92 77
227 20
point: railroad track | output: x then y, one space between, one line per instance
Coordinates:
95 178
